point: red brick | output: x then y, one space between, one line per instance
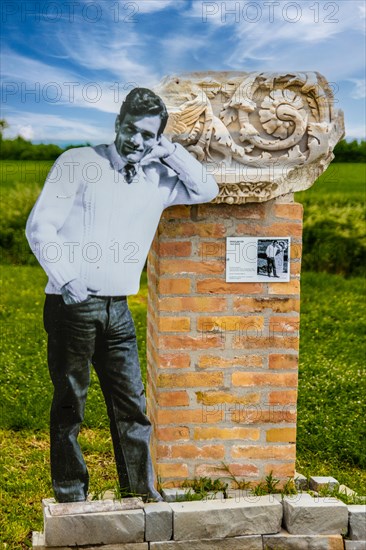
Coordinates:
189 304
284 324
210 470
277 305
174 324
276 342
192 451
175 248
173 399
236 211
175 433
283 361
174 361
212 361
281 435
191 380
283 397
218 286
192 229
258 415
254 452
192 416
227 433
185 342
292 211
219 397
172 470
285 229
230 323
176 212
293 287
191 266
264 379
174 286
281 470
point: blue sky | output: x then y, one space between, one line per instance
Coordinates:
67 65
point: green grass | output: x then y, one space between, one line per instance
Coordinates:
331 389
341 183
24 172
331 416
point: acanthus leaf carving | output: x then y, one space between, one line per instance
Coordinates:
260 134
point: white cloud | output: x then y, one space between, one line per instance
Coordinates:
149 6
56 128
355 131
359 91
32 82
25 132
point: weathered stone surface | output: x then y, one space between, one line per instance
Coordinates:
91 506
251 542
304 515
357 521
355 544
158 521
323 482
346 490
285 541
301 482
229 518
172 495
96 528
39 544
261 135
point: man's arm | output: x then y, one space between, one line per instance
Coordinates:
183 179
48 216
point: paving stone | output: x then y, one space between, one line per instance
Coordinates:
214 519
251 542
357 521
285 541
304 515
355 544
158 521
39 544
119 526
238 493
323 482
91 506
172 495
301 482
347 491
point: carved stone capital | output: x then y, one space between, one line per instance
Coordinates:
261 135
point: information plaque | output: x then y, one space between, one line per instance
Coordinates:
257 259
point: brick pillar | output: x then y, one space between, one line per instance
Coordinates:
222 357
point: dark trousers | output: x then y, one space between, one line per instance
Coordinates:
100 331
271 265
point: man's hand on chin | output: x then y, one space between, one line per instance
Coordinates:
164 148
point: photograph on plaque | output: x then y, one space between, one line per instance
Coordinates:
257 259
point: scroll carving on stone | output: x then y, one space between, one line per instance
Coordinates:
261 135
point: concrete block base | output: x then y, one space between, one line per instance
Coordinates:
38 543
235 543
285 541
304 515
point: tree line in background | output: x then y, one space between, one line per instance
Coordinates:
21 149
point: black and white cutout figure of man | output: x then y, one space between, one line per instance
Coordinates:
91 229
271 251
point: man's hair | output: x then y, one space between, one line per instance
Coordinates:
144 102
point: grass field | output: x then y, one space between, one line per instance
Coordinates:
331 389
331 427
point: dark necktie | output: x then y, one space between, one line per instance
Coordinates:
129 172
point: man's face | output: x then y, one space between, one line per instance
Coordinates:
136 136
